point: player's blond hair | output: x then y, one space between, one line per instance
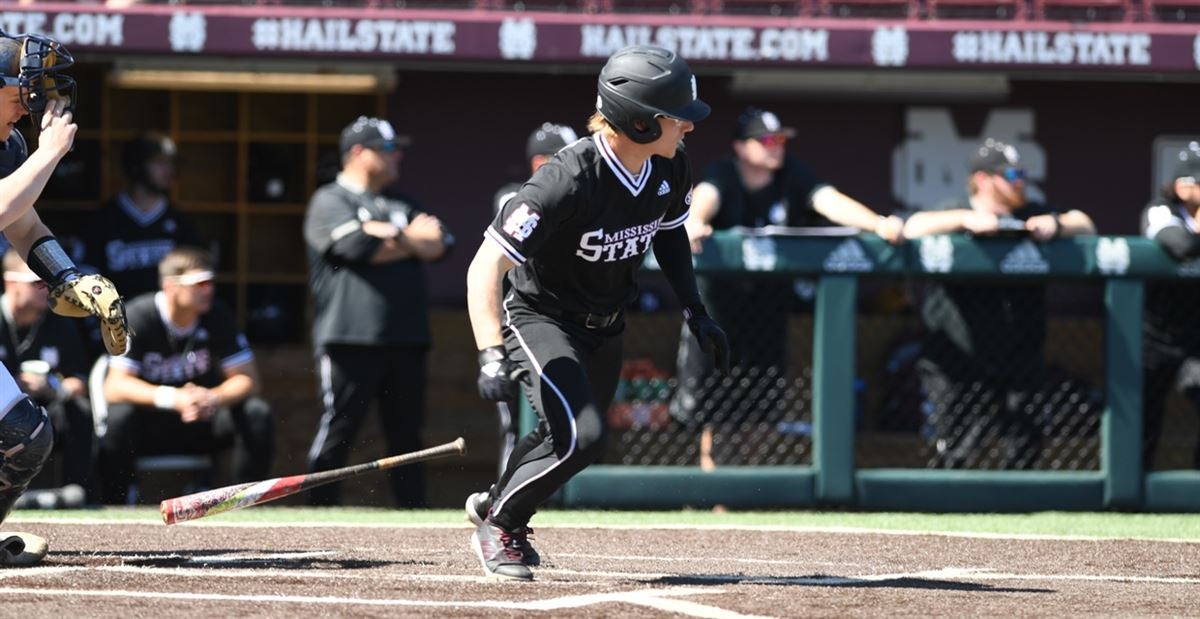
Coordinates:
599 124
183 259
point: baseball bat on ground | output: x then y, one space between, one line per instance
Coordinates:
229 498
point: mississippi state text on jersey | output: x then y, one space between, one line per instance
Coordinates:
581 226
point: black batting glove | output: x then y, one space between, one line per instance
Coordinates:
498 375
710 335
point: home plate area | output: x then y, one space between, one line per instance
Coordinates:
101 569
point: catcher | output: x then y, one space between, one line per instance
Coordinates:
31 85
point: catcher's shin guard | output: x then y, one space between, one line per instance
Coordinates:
26 439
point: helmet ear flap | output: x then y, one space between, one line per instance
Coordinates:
632 119
651 131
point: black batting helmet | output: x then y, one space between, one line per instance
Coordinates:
31 64
138 152
642 82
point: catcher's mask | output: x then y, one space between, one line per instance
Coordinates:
37 76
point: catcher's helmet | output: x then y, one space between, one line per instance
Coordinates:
32 66
642 82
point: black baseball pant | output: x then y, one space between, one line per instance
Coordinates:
573 373
134 431
350 379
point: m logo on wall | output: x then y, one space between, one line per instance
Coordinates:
930 165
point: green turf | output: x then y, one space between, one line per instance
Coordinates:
1100 525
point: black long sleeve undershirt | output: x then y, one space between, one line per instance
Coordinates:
674 255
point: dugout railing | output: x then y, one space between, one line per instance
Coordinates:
1120 265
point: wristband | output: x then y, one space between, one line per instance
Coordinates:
491 354
693 310
1057 225
50 261
164 397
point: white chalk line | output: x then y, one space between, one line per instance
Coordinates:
653 598
661 599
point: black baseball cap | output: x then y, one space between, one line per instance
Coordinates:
994 156
1188 164
754 123
372 133
548 139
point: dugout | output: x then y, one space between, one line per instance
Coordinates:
251 155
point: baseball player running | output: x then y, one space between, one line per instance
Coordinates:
570 243
30 84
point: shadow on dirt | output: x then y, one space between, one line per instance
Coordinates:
821 580
239 558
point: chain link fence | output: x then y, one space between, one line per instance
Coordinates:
672 408
1030 399
980 375
1171 395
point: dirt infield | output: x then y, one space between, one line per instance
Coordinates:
143 570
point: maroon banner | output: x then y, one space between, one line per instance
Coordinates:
574 38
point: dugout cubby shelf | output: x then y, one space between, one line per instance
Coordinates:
248 162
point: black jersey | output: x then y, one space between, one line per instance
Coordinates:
126 244
53 339
580 228
786 201
996 324
161 354
357 302
1171 304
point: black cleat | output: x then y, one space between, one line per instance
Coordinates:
496 551
477 508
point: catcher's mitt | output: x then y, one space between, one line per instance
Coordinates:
94 295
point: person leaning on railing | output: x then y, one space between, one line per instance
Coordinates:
982 360
759 185
1171 334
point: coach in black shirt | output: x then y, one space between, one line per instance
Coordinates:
1171 330
371 320
983 358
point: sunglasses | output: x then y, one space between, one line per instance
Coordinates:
1012 175
386 147
772 139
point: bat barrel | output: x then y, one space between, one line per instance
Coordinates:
229 498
